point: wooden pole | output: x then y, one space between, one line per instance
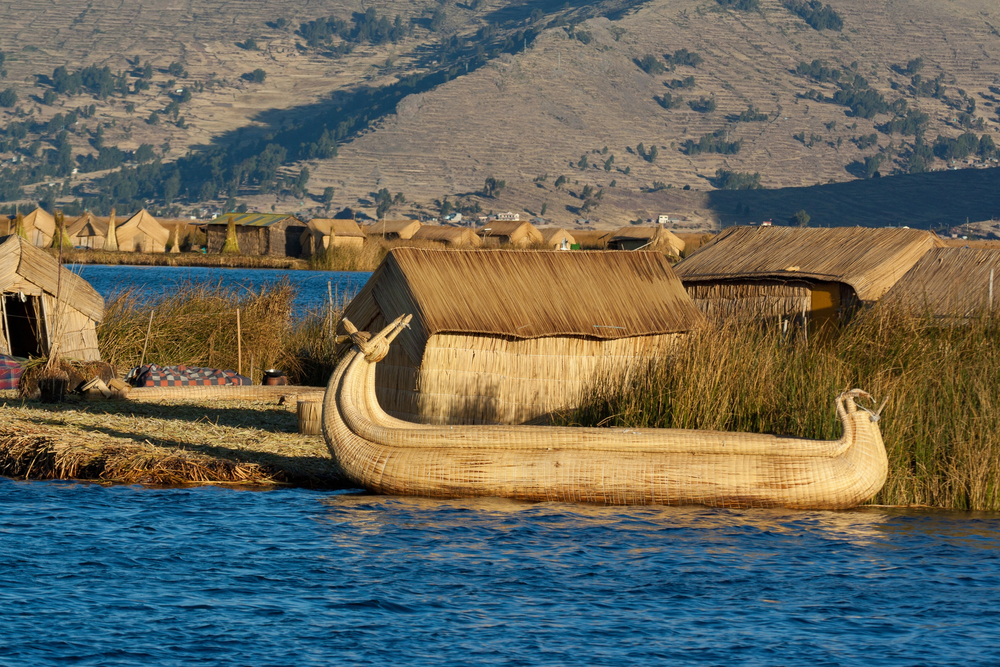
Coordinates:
239 342
8 345
149 330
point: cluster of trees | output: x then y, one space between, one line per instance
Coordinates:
818 71
734 180
385 202
809 142
923 88
866 141
816 14
914 123
965 145
686 82
669 101
752 115
650 64
703 104
367 27
683 57
741 5
716 142
493 186
647 155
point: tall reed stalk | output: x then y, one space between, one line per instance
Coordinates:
941 425
195 325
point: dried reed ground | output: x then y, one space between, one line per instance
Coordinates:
229 442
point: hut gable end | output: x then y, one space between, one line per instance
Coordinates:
950 282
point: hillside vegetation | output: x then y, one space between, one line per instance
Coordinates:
603 110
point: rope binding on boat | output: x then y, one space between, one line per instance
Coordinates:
374 348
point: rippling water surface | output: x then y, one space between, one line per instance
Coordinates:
157 280
125 575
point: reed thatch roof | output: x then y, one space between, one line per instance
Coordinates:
256 219
657 238
341 228
949 282
554 236
525 295
142 223
455 237
514 232
869 260
87 224
402 229
30 270
41 220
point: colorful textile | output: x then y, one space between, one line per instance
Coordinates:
182 376
10 372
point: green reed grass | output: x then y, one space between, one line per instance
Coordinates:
941 425
195 325
123 258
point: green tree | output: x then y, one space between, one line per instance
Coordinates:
258 75
609 163
153 119
545 207
561 181
8 98
800 219
492 187
328 196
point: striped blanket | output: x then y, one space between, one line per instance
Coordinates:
10 372
182 376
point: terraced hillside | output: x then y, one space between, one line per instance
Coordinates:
628 102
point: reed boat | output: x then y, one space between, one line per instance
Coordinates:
612 466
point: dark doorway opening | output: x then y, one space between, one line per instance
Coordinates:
23 325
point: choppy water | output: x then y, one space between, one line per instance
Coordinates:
158 280
125 575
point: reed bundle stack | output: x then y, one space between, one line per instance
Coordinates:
508 336
518 233
451 237
34 321
656 238
393 230
820 274
556 237
951 283
325 233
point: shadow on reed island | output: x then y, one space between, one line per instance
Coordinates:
941 424
196 325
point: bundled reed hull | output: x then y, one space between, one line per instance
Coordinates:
598 465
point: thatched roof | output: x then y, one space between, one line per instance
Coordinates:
654 237
869 260
255 219
404 229
451 236
88 224
525 294
142 222
519 232
41 220
553 236
949 282
342 228
27 269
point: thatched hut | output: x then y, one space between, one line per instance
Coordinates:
258 234
142 233
508 336
88 231
39 227
556 237
31 314
950 283
791 272
518 233
657 238
323 233
452 237
393 230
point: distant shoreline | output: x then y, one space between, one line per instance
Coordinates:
112 258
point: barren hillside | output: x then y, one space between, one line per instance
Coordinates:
569 99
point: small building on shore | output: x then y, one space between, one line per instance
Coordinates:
88 231
655 237
142 233
517 233
393 230
39 306
556 238
39 227
258 234
950 283
792 272
324 233
511 336
452 237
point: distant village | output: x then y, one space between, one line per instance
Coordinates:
285 235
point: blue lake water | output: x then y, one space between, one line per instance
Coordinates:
91 575
157 280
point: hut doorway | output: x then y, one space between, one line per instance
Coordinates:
825 306
23 325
